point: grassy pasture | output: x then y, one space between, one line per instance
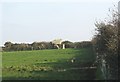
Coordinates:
48 64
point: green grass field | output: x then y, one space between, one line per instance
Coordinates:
48 64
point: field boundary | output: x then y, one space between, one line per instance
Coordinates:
80 68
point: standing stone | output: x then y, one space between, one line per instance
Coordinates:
63 46
57 46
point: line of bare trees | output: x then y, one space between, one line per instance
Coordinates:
9 46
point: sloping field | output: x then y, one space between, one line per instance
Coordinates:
67 64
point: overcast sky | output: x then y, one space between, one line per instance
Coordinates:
46 20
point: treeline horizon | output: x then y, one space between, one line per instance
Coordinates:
9 46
